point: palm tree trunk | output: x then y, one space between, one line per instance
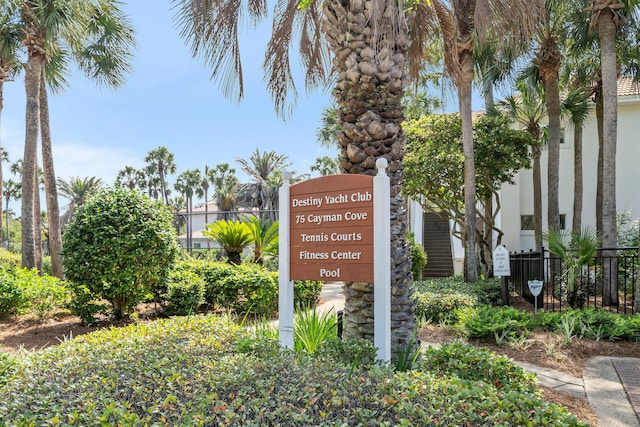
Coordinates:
599 188
607 35
537 196
577 179
552 100
470 251
51 192
29 161
368 92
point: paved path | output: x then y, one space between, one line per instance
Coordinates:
610 384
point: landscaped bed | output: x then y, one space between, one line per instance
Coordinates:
206 370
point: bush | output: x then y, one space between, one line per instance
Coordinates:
8 368
439 307
45 294
185 292
489 322
118 245
12 297
306 292
478 364
186 371
10 259
418 257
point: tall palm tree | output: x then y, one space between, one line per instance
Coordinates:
186 184
11 192
226 187
548 58
163 161
96 35
368 44
460 21
77 191
131 178
262 168
527 109
4 157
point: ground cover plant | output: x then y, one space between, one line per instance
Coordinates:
188 371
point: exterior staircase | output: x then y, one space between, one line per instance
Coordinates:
437 243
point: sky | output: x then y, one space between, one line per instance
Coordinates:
168 100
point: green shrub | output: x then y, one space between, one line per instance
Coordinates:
438 307
10 259
306 292
312 328
12 297
118 245
212 273
8 367
418 257
489 322
185 292
45 294
355 352
478 364
186 371
251 289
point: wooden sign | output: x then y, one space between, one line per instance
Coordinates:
331 229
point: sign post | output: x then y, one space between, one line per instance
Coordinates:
502 268
535 286
337 228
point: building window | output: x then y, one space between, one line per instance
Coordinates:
196 246
563 221
562 136
526 222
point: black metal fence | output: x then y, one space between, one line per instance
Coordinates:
606 281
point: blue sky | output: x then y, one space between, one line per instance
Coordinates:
168 100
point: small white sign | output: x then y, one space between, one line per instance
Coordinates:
535 286
501 264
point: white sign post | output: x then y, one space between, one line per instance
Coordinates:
501 264
535 286
320 240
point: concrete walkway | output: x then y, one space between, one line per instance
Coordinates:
610 384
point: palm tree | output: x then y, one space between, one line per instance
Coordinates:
77 191
607 18
262 169
527 109
163 162
4 156
97 36
326 165
131 178
459 21
186 184
369 45
264 236
226 186
233 236
11 192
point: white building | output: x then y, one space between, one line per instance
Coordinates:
517 199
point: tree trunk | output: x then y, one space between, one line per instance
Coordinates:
577 179
1 158
369 89
37 220
51 191
599 189
29 160
537 196
552 100
470 250
607 35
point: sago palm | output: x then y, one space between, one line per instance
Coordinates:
233 236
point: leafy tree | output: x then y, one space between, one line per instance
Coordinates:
326 165
118 246
233 236
434 150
